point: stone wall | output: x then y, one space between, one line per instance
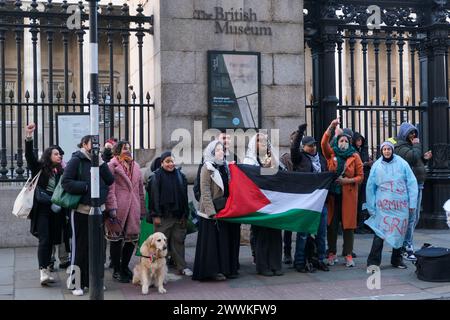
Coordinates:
176 62
14 232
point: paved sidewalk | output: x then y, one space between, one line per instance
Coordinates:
19 279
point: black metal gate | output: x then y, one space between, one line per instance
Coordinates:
377 64
41 51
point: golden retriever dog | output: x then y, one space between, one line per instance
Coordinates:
152 268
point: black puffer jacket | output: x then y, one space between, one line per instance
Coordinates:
74 183
300 161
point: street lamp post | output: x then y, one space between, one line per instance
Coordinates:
96 252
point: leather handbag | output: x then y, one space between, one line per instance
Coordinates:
64 199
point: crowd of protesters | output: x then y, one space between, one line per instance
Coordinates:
352 205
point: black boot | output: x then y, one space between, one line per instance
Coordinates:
127 252
116 248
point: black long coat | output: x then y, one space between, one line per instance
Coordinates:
43 207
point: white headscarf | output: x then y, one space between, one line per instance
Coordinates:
209 153
251 156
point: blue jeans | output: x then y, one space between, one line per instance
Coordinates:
321 237
412 222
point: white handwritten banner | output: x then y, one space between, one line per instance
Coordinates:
392 212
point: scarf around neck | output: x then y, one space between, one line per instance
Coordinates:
315 161
341 157
127 164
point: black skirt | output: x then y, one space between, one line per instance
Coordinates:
217 249
268 249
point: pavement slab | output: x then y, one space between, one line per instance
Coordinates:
19 279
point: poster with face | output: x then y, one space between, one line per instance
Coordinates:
234 89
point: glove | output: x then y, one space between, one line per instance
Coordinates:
302 127
55 208
113 213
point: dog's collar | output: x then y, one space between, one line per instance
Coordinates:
152 258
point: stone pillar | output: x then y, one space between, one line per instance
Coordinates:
175 66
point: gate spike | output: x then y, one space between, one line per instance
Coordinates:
125 10
48 5
27 94
74 96
133 96
148 96
58 95
109 9
89 95
139 10
42 94
64 6
11 94
34 5
119 96
18 4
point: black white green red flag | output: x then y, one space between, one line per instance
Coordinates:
286 200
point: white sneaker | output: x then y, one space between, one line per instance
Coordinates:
77 292
51 279
187 272
45 277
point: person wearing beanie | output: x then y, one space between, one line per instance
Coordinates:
391 195
169 208
343 159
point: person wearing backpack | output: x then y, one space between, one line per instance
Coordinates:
46 218
77 181
229 156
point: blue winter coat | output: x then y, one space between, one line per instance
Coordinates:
390 192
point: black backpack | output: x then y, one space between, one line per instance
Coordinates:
433 264
196 188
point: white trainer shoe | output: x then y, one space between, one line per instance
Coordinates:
45 277
187 272
78 292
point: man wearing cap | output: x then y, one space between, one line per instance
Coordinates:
305 158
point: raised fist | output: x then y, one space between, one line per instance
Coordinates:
302 127
30 129
335 123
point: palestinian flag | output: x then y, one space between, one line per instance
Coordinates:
286 200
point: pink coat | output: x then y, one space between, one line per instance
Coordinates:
127 197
